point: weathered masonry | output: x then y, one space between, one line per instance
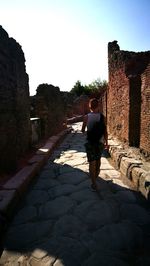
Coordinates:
17 131
14 102
128 97
49 106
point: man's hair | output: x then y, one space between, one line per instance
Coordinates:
93 103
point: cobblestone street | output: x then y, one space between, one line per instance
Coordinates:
62 222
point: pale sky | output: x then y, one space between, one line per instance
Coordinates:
66 40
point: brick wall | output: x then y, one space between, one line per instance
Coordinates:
128 96
117 97
145 111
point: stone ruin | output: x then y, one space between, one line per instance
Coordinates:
80 105
126 103
128 96
14 103
24 119
50 106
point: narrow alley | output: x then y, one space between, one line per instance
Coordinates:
62 222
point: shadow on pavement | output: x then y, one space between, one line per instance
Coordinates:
62 222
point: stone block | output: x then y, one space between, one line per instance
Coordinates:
117 156
136 172
54 139
46 149
22 179
40 159
126 164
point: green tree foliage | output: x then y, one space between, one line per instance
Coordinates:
93 89
78 88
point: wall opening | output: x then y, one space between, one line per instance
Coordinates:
134 111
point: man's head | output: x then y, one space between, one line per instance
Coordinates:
93 104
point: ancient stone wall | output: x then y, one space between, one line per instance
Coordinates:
68 99
117 96
127 95
81 105
145 111
14 103
48 104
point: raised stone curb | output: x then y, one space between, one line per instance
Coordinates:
117 156
20 181
131 168
125 165
135 175
15 187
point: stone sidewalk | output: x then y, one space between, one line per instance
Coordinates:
61 222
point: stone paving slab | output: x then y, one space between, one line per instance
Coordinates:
60 221
13 190
8 198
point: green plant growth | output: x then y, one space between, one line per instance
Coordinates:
92 89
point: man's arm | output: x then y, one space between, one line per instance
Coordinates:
84 123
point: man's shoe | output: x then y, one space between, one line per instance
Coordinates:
93 188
